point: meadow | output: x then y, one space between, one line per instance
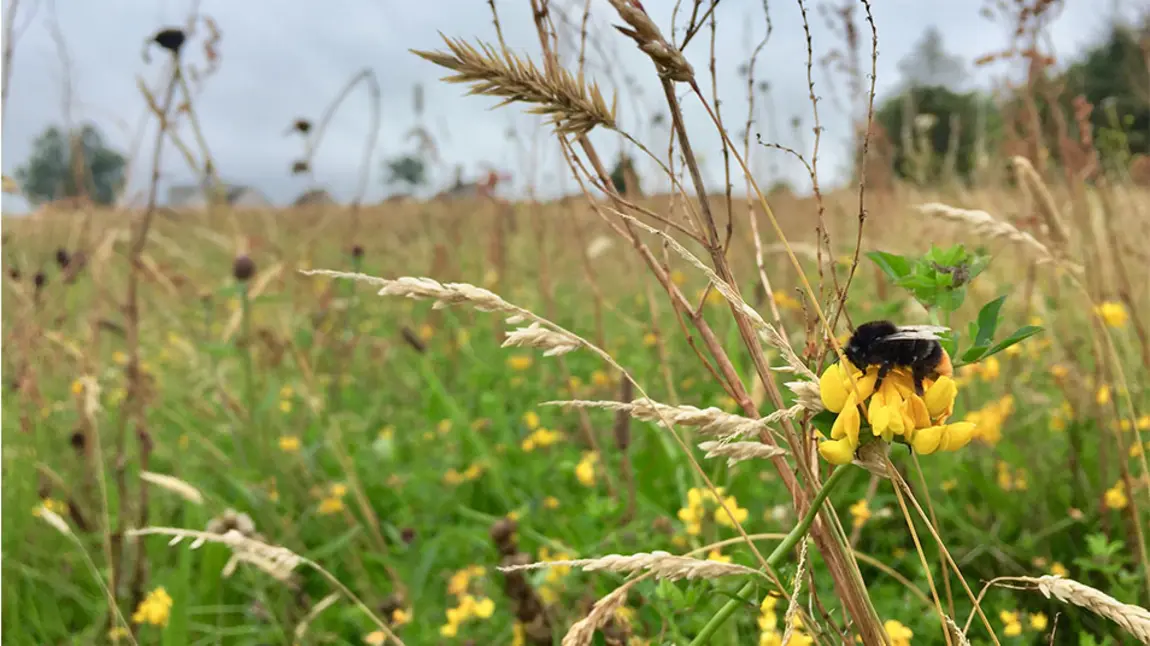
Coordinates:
235 447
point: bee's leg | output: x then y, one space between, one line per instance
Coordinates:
883 370
918 377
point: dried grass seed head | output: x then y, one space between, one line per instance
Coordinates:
662 565
668 59
243 268
573 105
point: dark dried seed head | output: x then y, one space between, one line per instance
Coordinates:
300 166
78 440
357 251
40 279
63 258
301 125
171 39
243 268
407 534
14 273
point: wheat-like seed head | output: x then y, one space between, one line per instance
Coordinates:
736 452
583 631
985 225
1033 182
552 342
1133 619
279 562
573 105
808 395
174 485
668 59
662 565
54 519
710 421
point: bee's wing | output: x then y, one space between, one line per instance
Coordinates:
916 332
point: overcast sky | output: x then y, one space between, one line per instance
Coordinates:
286 59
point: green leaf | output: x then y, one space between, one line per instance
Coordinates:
824 421
988 321
950 300
893 265
1020 335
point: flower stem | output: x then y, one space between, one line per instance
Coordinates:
788 543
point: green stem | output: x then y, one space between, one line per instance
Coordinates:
249 379
788 544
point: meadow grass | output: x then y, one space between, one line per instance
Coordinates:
388 458
586 421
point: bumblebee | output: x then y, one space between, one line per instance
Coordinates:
888 346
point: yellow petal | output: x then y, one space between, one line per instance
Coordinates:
926 440
956 436
940 397
847 423
837 451
917 412
831 389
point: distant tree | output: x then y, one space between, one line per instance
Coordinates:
1113 77
624 177
409 170
937 134
68 166
930 65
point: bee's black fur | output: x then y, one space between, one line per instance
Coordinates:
869 346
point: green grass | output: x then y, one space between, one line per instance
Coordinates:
393 422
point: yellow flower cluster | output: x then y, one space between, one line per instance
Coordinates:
1112 313
469 608
154 609
51 504
768 625
540 438
702 504
289 443
899 634
1012 622
989 419
860 513
585 470
893 409
519 362
1115 497
1008 481
453 477
332 503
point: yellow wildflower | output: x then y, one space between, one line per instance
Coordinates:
551 502
860 511
1112 313
519 362
1103 395
1038 621
541 438
531 420
443 427
285 406
119 357
1012 626
330 505
286 392
51 504
948 437
426 332
990 369
585 470
1115 497
289 443
718 557
600 379
678 278
649 339
1058 569
786 302
899 634
155 609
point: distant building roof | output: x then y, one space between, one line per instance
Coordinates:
194 196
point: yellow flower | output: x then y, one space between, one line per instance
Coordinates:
339 490
426 332
990 369
119 357
1112 313
118 633
518 635
330 505
1115 497
718 557
585 470
885 411
519 362
289 443
551 502
989 420
600 379
1012 629
286 392
51 504
541 438
899 634
649 340
1038 621
940 397
443 427
786 302
484 608
678 278
1058 569
154 609
860 511
285 406
724 518
77 387
531 420
1103 395
835 385
449 629
1059 371
948 437
837 451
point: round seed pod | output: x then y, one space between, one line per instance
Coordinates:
243 268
